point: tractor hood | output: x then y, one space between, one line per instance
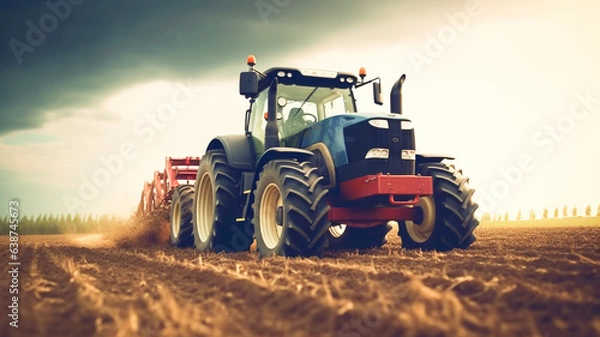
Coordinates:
364 143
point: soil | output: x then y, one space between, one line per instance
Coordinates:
511 282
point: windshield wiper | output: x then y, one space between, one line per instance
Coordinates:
307 98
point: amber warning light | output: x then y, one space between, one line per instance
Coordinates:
362 72
251 60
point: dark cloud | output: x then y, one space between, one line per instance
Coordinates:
102 46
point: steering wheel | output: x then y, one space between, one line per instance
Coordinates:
311 118
299 120
300 115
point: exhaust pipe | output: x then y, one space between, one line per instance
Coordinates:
396 96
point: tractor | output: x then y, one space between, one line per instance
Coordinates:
311 172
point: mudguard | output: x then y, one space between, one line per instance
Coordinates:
238 149
431 158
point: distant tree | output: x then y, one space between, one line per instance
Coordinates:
574 211
565 213
90 223
484 217
545 214
588 210
4 227
519 215
25 226
556 213
78 224
506 216
532 214
39 221
103 221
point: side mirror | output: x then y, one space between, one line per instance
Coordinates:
249 84
377 93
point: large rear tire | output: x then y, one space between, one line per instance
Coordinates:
290 210
216 205
345 237
448 216
181 216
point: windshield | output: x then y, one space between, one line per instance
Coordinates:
318 102
298 107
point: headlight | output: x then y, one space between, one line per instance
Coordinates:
378 153
409 154
406 125
379 123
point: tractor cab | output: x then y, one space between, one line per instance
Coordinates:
296 99
299 103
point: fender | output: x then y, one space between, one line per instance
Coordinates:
238 149
431 158
274 153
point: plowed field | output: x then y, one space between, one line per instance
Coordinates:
511 282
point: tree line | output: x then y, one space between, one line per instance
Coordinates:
77 224
60 224
546 214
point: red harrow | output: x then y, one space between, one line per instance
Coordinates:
158 193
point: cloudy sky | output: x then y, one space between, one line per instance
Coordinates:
511 88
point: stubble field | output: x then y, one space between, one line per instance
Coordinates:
511 282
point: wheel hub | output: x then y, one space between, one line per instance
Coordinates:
205 208
337 230
176 219
422 227
271 216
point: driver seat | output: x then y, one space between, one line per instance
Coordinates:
296 113
295 122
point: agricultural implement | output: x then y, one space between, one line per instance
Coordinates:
158 194
311 172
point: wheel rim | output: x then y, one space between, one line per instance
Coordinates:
420 232
176 219
338 230
269 228
205 208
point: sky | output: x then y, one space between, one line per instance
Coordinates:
95 94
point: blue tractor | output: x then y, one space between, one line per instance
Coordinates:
311 172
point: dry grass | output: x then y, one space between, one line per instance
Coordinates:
525 282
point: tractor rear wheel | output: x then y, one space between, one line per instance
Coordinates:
290 210
345 237
216 205
448 217
181 216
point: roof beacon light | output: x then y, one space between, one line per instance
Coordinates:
251 61
362 73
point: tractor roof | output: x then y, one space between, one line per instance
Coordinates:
307 77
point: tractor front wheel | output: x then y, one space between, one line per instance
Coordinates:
290 210
448 217
216 204
181 216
